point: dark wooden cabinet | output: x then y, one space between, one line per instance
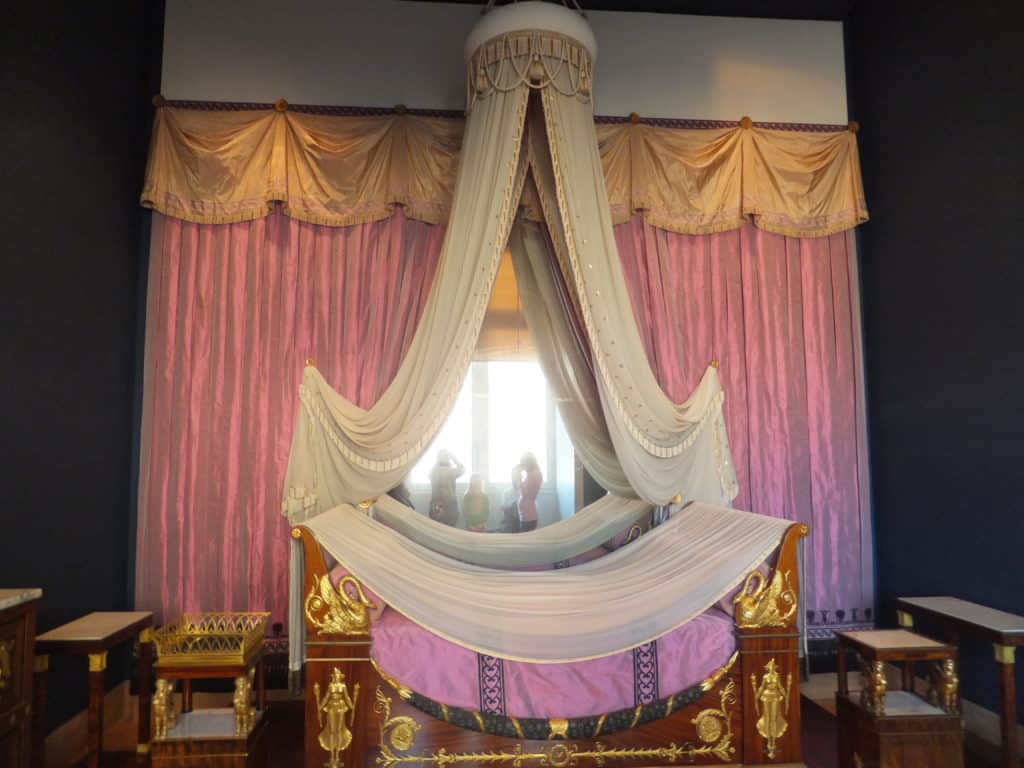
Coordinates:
17 637
912 734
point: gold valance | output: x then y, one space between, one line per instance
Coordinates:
235 165
696 181
216 167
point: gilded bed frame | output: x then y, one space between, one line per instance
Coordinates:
747 713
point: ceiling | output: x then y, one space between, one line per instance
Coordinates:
833 10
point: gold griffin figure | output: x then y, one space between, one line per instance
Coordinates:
945 685
335 714
245 715
164 713
338 610
771 702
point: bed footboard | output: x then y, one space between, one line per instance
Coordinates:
747 713
768 638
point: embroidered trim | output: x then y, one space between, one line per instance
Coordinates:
492 684
645 674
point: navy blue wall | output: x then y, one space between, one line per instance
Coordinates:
77 80
938 87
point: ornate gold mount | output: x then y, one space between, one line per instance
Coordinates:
1005 653
765 603
165 712
771 703
945 684
712 681
714 728
335 713
245 714
344 610
872 695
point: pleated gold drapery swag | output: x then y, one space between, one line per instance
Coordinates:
227 166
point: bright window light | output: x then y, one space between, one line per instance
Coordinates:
516 417
455 436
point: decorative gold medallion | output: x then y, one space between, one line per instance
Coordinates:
335 714
400 732
338 610
771 703
714 726
765 603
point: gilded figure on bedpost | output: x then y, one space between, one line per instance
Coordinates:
765 614
337 662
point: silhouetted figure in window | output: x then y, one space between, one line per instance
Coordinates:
444 504
532 481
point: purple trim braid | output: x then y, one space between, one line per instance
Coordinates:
343 111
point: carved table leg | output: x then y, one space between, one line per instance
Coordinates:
1008 715
908 676
841 673
42 666
261 685
97 687
145 678
186 695
873 695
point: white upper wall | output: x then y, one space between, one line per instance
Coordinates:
378 53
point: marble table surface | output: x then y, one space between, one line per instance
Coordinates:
12 597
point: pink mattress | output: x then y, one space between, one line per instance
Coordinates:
456 676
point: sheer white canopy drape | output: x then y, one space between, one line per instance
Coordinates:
629 432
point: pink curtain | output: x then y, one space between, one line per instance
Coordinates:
781 315
233 312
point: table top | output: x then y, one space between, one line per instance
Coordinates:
1008 626
215 724
94 632
12 597
878 642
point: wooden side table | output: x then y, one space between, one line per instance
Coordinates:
17 633
93 636
204 646
1004 630
879 728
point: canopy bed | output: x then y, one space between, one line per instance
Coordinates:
734 699
402 581
427 645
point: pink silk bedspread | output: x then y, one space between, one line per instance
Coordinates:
456 676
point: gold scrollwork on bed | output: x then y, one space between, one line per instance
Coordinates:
765 603
338 610
714 728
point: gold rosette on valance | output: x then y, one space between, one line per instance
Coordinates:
224 166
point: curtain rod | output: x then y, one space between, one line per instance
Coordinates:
348 111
